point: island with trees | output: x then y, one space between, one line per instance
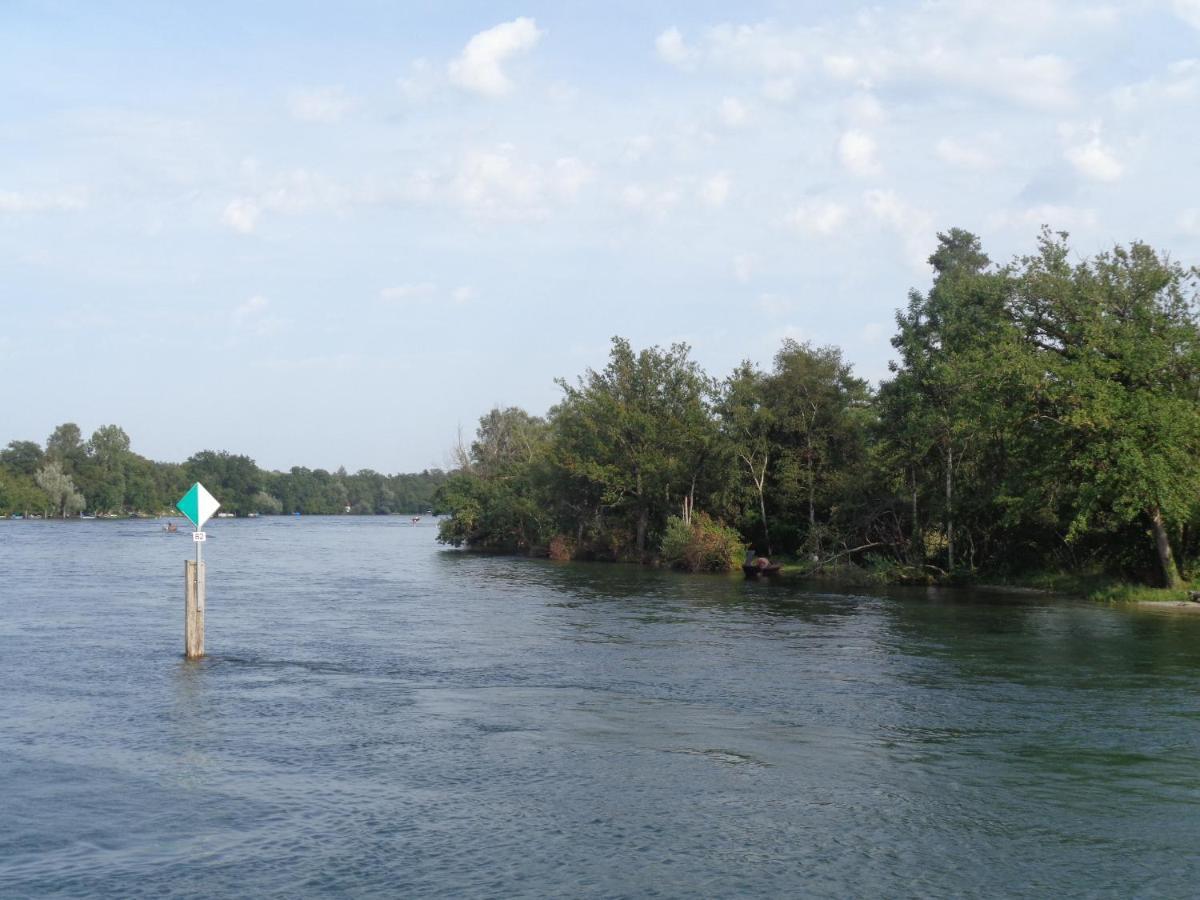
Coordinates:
1041 416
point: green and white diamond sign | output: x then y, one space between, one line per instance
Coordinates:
198 505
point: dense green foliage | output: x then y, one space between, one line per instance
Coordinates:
701 545
1040 415
103 476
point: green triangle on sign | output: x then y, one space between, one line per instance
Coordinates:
198 505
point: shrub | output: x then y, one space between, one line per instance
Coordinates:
561 547
703 546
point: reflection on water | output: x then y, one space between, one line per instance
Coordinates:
381 717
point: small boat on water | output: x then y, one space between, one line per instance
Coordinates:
759 566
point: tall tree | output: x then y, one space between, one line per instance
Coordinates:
819 413
641 429
1119 341
747 423
60 489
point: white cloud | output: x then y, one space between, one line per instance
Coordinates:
252 307
252 317
497 184
964 155
672 49
822 217
760 47
402 293
68 200
714 191
637 148
649 200
865 109
320 105
1057 216
421 292
570 176
241 215
1188 10
911 224
856 150
479 67
1094 160
931 46
781 90
733 112
1179 84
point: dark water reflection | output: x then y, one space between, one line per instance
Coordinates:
383 718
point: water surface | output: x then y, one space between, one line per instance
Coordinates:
382 717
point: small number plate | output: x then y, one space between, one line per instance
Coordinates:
199 537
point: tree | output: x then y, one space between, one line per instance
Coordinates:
949 341
640 430
747 423
65 446
497 500
22 457
1119 343
20 494
819 411
59 488
232 478
103 477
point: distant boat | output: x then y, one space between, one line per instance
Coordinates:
82 516
225 515
415 520
760 567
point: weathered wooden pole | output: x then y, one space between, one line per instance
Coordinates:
193 609
199 506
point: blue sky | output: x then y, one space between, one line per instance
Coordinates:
331 234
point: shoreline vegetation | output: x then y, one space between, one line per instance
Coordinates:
1040 428
102 477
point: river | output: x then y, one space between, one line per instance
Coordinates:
383 717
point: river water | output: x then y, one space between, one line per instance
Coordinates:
382 717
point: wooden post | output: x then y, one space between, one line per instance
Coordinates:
193 609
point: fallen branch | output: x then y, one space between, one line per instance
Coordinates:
825 562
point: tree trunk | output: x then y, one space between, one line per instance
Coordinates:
917 555
950 507
762 506
642 517
1162 543
814 542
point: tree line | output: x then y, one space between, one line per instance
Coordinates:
103 476
1042 414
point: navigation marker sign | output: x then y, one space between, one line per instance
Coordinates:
198 505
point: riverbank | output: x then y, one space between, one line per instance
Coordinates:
1096 587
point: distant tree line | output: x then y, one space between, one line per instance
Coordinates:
103 476
1043 414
